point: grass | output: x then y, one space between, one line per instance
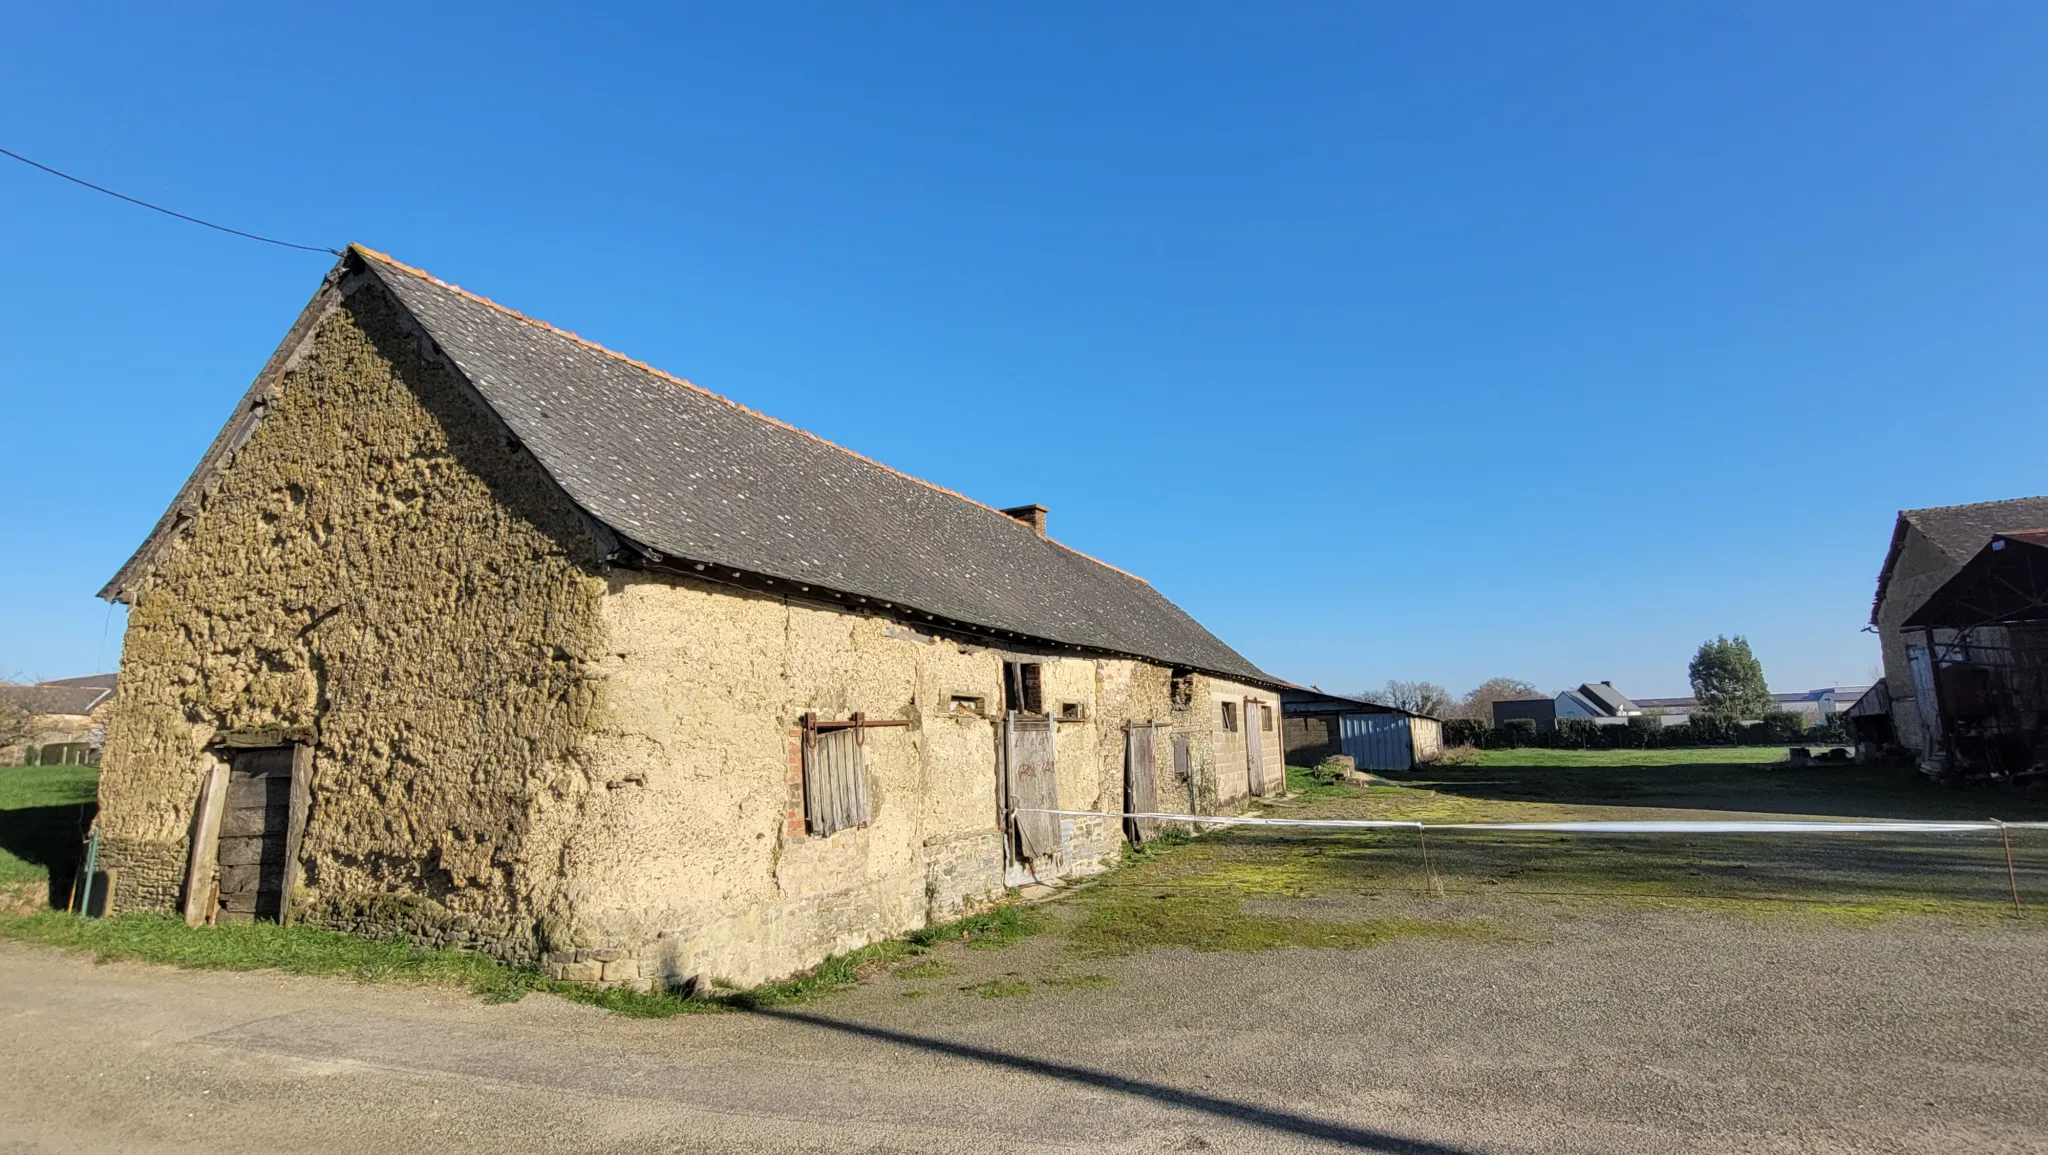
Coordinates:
1259 889
1305 784
313 951
1860 877
1697 756
44 812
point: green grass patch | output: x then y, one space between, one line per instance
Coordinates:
22 787
267 946
930 968
1002 988
1079 982
1309 783
989 930
1684 756
315 951
1128 922
44 813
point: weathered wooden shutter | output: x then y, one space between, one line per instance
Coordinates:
1034 785
835 781
1141 791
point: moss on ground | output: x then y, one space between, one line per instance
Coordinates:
1121 923
315 951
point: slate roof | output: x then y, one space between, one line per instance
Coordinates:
1958 531
698 478
1296 700
61 697
1606 698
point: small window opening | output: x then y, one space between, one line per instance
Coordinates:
1023 687
1265 717
966 704
1183 688
1230 716
1073 712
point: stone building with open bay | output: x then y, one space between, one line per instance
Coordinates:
467 629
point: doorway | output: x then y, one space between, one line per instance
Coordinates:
1254 753
1141 783
255 823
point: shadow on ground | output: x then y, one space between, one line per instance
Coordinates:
1770 788
51 837
1216 1106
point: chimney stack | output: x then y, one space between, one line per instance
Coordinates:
1031 515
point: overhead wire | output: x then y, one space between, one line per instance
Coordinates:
167 212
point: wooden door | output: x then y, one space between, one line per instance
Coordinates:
253 832
1184 771
1254 753
1033 780
1141 787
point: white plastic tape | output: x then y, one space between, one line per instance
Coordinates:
1672 827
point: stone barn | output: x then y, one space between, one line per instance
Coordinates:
1928 547
469 630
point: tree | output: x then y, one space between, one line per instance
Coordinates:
1414 697
14 722
1728 681
1479 703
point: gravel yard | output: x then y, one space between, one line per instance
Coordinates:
1239 993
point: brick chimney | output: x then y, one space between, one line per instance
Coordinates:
1031 515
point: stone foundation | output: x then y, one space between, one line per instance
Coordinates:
152 874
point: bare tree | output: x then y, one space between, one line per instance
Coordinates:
1479 703
15 722
1414 697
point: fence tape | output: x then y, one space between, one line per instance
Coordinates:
1705 826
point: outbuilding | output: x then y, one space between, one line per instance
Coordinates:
1928 547
1980 642
469 630
1375 736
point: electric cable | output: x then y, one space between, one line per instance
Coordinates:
167 212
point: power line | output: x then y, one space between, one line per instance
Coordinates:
167 212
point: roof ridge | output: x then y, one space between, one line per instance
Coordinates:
479 298
1971 505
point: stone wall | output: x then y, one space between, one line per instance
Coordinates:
1311 738
382 572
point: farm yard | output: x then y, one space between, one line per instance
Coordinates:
1251 989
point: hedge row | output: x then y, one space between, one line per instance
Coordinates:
1777 728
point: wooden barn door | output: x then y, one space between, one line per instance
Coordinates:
1033 781
1141 785
1254 753
254 825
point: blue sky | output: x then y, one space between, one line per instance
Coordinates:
1420 341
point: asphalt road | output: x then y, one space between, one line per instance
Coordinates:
1589 1030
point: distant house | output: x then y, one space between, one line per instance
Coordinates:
67 719
1318 725
1928 547
1598 701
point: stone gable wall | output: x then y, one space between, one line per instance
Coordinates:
380 572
